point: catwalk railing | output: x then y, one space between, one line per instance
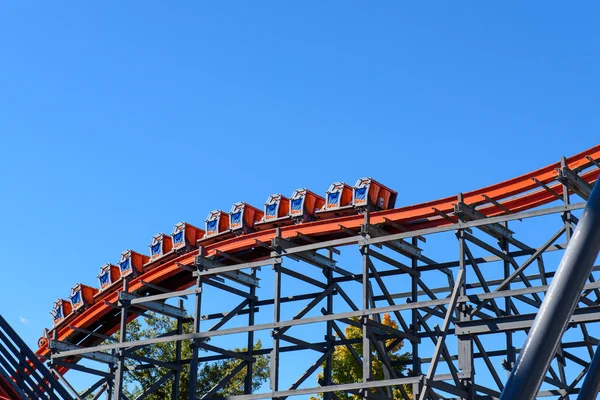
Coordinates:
22 374
454 315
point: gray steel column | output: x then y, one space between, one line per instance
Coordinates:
366 331
465 345
110 382
177 377
414 325
118 388
558 305
511 354
328 369
591 384
193 345
366 367
275 333
274 361
567 201
250 346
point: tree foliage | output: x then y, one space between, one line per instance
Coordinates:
209 373
346 369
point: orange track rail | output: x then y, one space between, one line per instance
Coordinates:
517 194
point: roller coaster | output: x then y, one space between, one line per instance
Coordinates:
459 316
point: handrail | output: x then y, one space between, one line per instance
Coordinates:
22 374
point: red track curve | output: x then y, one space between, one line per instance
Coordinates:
517 194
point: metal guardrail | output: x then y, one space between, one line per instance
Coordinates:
23 373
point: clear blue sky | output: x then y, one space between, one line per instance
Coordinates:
119 119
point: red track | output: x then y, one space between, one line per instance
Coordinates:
518 194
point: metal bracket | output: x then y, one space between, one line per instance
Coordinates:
91 333
575 183
165 296
400 246
141 302
310 257
237 276
468 213
94 355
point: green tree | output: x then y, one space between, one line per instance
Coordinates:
345 368
209 373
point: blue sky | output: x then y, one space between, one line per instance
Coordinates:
118 120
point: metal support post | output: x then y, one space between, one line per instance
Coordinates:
329 338
558 306
119 374
250 348
414 298
465 344
567 201
196 329
366 290
366 356
274 362
511 356
110 382
177 377
275 333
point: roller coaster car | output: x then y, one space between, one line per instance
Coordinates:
373 196
276 212
160 246
185 236
217 223
60 309
82 296
338 201
132 263
304 204
108 275
242 218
